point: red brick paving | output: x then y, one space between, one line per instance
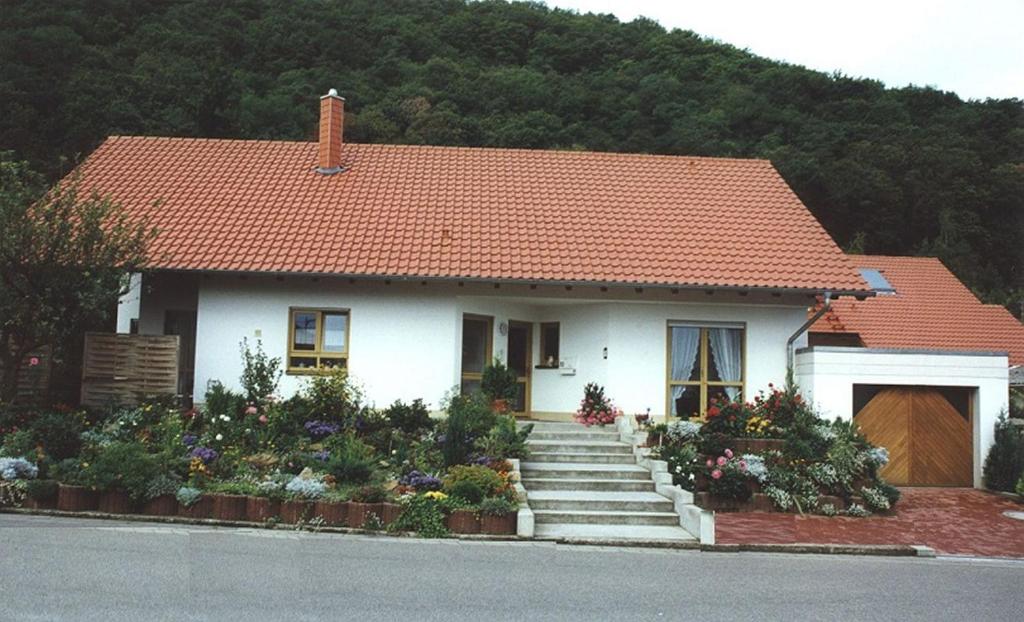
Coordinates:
953 521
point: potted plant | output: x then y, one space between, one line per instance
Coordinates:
192 503
160 496
595 408
498 516
366 503
500 385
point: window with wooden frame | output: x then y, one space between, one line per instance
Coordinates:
549 337
477 337
705 362
317 340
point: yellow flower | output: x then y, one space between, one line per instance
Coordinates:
436 495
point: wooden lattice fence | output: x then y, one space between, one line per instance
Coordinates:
122 369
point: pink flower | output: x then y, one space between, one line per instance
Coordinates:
263 419
710 463
250 410
728 453
32 362
743 465
721 461
716 474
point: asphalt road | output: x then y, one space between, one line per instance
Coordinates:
68 569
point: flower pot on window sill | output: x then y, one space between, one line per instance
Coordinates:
76 499
259 509
202 508
333 513
295 511
499 525
114 502
359 513
463 521
164 505
229 507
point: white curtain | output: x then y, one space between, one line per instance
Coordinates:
685 343
727 348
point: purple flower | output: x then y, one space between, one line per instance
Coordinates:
320 429
421 481
481 460
206 454
189 440
322 455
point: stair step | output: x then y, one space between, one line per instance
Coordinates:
576 470
605 517
568 483
573 436
602 458
592 501
594 447
559 426
610 533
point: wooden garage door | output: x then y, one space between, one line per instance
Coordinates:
929 441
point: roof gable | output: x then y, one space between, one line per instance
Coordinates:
450 212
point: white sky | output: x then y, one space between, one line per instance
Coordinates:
974 48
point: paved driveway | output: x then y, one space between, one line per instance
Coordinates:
953 521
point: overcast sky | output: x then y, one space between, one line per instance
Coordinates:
974 48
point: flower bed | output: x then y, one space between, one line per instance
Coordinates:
775 454
319 458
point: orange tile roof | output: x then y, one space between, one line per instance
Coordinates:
453 212
931 309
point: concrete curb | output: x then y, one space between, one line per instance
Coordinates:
883 550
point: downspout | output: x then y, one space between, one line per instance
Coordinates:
790 356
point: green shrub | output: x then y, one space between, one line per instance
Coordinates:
41 489
260 373
409 418
221 401
1020 486
60 434
233 487
467 490
187 496
469 417
69 472
332 396
20 444
422 515
497 506
1004 464
505 439
122 466
498 382
683 463
162 484
370 494
484 478
351 460
892 493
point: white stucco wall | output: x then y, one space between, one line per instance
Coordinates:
826 376
128 304
405 338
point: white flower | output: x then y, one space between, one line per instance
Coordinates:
219 437
394 451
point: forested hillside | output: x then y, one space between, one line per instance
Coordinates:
908 170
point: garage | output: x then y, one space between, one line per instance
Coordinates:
927 430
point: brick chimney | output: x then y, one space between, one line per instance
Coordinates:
332 115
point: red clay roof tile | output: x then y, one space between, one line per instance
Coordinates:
456 212
931 309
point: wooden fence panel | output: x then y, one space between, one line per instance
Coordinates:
121 368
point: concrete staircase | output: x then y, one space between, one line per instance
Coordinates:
584 484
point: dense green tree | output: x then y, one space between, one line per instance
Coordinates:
907 170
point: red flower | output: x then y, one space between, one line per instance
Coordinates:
713 412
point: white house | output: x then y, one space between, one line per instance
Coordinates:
667 279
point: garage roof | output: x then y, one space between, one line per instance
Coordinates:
930 309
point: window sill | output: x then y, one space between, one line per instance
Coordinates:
546 367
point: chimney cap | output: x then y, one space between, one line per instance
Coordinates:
333 93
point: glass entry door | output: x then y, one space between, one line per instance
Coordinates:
520 358
476 350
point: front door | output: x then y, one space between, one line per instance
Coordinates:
183 324
476 350
520 339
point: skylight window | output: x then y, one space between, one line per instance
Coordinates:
876 281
